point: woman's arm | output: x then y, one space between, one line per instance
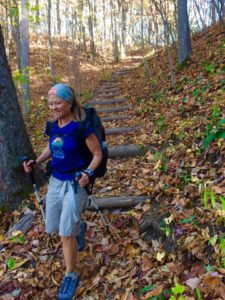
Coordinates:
95 148
44 155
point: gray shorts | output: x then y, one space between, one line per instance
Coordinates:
64 207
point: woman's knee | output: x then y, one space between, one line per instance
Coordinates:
67 239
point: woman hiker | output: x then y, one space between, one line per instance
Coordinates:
66 197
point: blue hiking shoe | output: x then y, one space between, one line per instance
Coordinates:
68 287
81 237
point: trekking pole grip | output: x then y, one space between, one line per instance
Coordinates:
31 173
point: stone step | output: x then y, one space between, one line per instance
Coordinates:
113 109
105 102
120 130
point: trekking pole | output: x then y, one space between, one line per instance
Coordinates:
36 191
109 226
91 199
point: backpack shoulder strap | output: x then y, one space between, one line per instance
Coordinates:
49 127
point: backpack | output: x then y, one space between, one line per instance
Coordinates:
92 120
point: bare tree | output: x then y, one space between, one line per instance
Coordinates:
91 30
14 185
52 72
76 56
58 17
184 37
24 35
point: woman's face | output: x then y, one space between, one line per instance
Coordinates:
59 108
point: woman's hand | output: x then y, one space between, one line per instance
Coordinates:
28 165
84 179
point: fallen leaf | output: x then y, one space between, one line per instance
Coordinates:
160 256
193 283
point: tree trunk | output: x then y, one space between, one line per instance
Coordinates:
114 33
201 18
142 24
81 26
24 34
124 29
76 57
104 23
67 47
184 38
213 11
52 72
58 17
91 31
14 141
16 36
6 31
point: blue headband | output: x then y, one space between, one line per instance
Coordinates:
63 91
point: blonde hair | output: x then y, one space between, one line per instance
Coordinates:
77 109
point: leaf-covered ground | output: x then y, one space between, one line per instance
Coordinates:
185 184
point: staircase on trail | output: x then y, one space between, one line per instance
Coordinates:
114 108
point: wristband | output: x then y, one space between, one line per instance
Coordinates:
89 172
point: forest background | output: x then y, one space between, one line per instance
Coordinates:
176 87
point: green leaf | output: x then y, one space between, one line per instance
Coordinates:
198 294
21 240
205 198
213 199
146 289
213 240
209 139
187 220
220 135
11 263
178 289
13 11
209 268
35 8
222 199
221 122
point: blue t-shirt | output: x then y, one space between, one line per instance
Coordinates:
63 143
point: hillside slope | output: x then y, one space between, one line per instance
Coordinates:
173 245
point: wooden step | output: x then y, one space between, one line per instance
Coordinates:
119 130
106 91
105 102
116 202
115 118
113 109
128 150
108 86
103 95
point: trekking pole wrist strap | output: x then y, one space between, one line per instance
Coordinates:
89 172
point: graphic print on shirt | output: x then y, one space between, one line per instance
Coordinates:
56 147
